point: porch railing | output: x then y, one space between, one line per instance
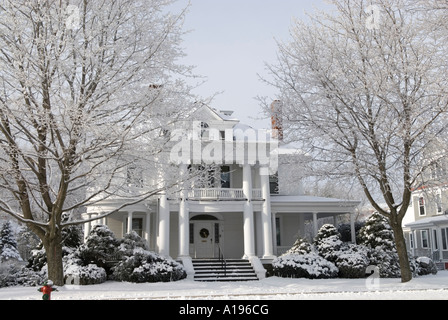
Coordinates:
216 194
222 194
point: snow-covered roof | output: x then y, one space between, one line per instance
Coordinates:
309 204
428 222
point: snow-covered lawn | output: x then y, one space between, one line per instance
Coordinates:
431 287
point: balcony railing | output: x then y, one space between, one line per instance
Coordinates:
222 194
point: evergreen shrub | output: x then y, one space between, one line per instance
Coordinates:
310 265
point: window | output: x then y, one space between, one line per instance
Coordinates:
137 226
191 233
225 177
205 130
411 240
273 184
439 203
217 235
435 242
445 239
425 238
421 204
277 229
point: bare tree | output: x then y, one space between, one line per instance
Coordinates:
87 89
364 90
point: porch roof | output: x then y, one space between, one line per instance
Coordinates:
310 204
429 222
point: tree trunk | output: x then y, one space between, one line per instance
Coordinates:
53 248
405 268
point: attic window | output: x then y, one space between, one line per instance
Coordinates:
204 130
421 203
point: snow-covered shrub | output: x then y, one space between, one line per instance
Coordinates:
377 233
327 230
145 266
14 273
301 246
426 266
328 242
84 275
378 236
352 261
329 247
311 266
38 259
130 242
77 272
100 247
387 262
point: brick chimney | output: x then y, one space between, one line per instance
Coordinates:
277 120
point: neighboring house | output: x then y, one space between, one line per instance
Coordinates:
426 221
244 211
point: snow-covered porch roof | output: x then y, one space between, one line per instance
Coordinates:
310 204
428 222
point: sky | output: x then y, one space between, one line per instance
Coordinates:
230 41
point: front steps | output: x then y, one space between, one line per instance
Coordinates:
212 270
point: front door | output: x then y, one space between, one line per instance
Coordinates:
204 239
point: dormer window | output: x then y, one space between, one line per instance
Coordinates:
205 130
421 204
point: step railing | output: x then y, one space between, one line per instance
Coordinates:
222 259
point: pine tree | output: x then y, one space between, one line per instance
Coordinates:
8 244
377 233
328 242
378 236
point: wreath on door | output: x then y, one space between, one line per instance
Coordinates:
204 233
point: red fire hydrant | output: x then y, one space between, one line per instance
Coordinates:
47 289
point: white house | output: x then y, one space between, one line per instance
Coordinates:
252 208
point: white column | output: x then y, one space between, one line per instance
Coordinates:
315 228
164 226
266 217
184 219
129 229
274 231
87 226
352 227
249 234
148 228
